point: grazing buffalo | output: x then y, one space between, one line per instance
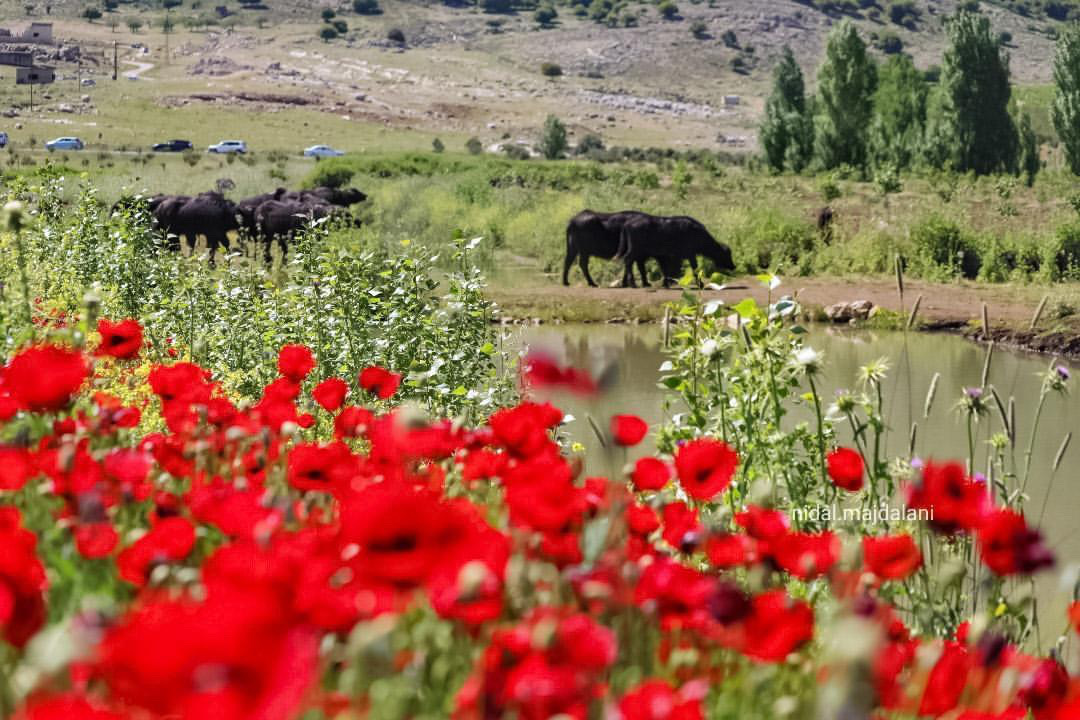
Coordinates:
248 207
670 240
825 218
597 234
208 214
281 220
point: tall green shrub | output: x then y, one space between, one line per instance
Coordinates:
971 128
846 83
787 130
899 113
1066 108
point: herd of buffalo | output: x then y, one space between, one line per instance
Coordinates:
630 236
269 217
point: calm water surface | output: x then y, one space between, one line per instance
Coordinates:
636 353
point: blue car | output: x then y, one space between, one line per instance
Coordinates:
65 143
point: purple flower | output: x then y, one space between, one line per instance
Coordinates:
917 463
1063 372
973 393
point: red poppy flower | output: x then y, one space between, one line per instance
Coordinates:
295 362
845 467
540 371
953 500
682 529
705 467
380 382
1043 690
64 707
328 468
16 467
891 557
96 540
657 700
777 626
947 680
641 519
402 534
677 594
650 474
627 430
121 340
169 540
43 378
330 393
1008 546
1074 616
523 429
728 550
22 581
806 555
352 422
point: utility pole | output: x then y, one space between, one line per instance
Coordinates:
115 62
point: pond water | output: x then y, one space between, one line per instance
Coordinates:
636 353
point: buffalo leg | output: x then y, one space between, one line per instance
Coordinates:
644 275
693 267
583 261
571 255
628 272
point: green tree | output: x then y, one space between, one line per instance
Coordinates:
328 14
327 33
668 10
437 145
91 13
545 15
787 132
1029 160
553 139
1066 107
474 146
896 133
846 83
970 126
134 24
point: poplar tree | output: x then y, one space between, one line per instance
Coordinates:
1066 108
787 132
846 83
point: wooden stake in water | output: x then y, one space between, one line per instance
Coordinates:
1039 311
985 322
899 279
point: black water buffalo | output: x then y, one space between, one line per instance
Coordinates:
670 240
209 214
825 219
281 220
597 234
248 207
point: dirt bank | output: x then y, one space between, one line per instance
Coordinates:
954 307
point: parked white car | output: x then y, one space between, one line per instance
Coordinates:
322 151
65 143
229 146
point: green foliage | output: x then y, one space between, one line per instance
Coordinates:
474 146
1066 107
327 14
328 33
846 83
497 6
437 145
970 124
1029 162
699 29
1062 257
91 13
896 132
591 143
331 173
396 35
904 12
553 141
545 15
943 250
668 10
730 39
787 132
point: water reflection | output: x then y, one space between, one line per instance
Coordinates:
635 353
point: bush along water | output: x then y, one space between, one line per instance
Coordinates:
178 546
